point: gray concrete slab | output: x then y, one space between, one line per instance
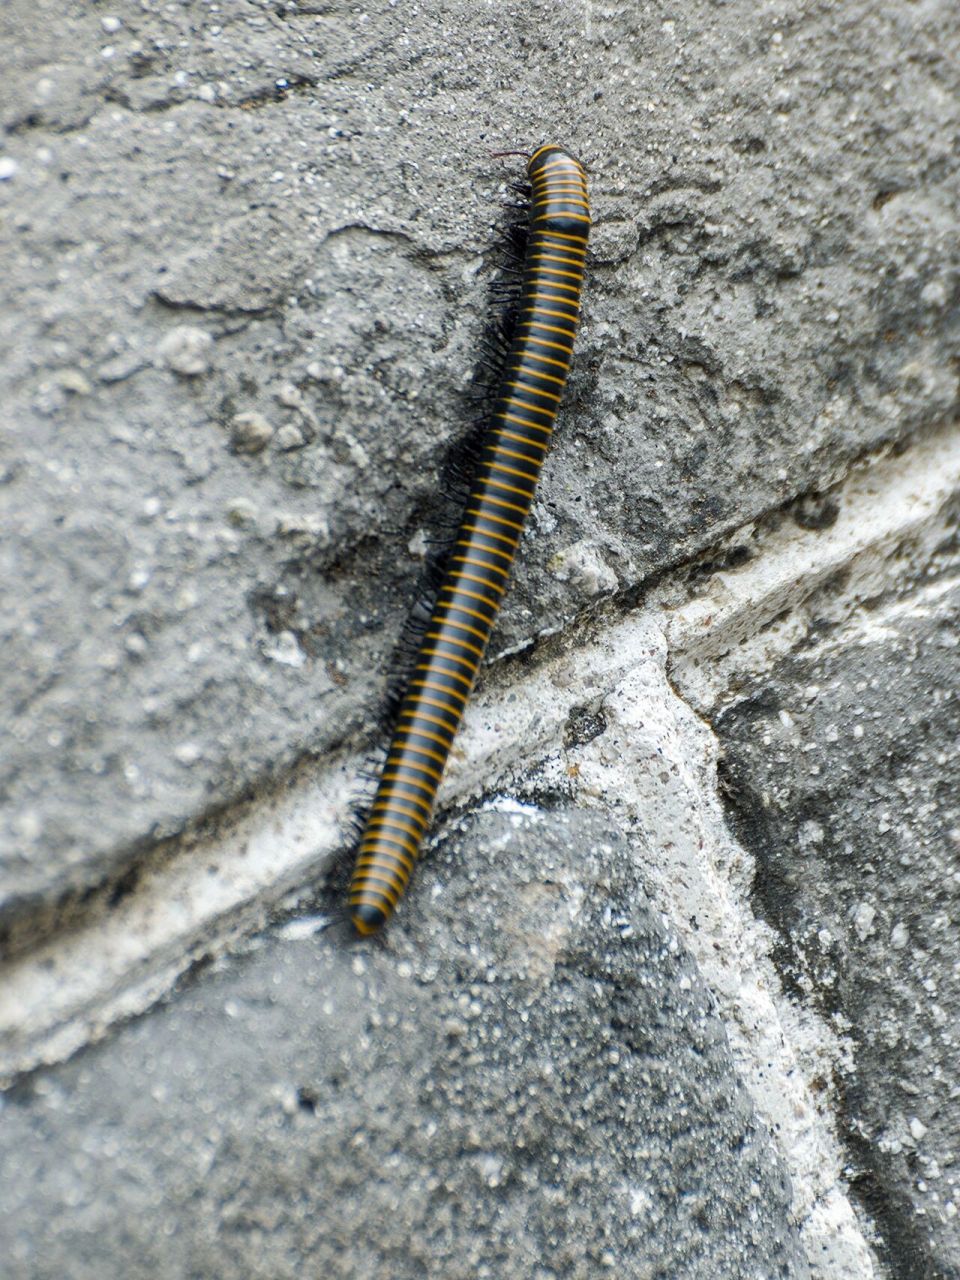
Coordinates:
841 777
525 1078
288 211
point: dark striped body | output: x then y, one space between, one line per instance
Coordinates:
479 565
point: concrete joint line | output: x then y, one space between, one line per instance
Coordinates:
72 987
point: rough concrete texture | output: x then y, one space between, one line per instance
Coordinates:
286 210
639 755
841 775
525 1082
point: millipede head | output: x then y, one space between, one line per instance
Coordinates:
544 154
561 205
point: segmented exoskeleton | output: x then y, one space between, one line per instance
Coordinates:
478 567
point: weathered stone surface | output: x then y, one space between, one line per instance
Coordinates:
772 292
527 1078
842 778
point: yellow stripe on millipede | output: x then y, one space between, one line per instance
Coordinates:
474 595
499 502
575 289
560 235
561 261
530 408
460 644
511 435
480 564
561 190
464 608
501 452
397 853
544 342
377 834
407 746
545 311
362 889
500 484
511 471
562 162
398 867
523 422
549 328
370 863
439 689
549 257
536 391
425 715
402 851
565 214
468 663
446 621
560 193
387 820
421 699
427 788
448 605
535 355
487 533
414 731
387 806
489 515
390 891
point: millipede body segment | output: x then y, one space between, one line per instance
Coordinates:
475 578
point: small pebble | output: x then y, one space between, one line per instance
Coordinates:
187 753
111 25
934 294
8 168
241 513
863 918
120 367
73 381
250 432
583 565
288 393
186 350
308 530
290 437
899 936
286 650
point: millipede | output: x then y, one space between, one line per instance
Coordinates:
474 578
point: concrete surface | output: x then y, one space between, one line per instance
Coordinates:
288 211
841 774
246 252
528 1078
